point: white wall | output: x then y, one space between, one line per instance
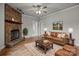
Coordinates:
70 18
30 23
1 26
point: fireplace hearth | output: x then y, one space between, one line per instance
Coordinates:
15 34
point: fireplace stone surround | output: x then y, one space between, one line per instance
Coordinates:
13 28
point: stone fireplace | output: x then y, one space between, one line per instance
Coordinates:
13 26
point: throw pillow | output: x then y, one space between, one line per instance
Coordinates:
59 36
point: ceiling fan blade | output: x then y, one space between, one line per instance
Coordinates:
44 7
38 6
45 11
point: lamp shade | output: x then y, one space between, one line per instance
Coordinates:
70 30
45 29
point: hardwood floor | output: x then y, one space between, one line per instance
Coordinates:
7 51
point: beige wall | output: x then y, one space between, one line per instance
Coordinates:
1 26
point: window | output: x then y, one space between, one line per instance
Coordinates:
35 27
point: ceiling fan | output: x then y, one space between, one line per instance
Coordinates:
39 9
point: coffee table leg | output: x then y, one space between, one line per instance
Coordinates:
45 50
36 44
52 46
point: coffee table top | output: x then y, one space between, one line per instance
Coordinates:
44 42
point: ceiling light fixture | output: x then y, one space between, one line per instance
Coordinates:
39 9
38 12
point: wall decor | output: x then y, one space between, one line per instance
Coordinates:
58 25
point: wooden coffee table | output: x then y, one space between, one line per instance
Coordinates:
44 44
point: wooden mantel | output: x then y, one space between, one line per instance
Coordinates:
14 22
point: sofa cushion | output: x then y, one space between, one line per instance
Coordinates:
54 34
58 39
63 35
59 35
70 48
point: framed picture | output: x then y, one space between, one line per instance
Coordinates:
58 25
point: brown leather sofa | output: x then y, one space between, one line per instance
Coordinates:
67 50
60 38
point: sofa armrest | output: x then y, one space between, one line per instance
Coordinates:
66 40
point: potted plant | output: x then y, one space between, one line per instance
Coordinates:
25 32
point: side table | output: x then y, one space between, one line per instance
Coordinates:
72 42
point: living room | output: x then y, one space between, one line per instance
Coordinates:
56 17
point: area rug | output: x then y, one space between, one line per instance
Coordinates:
30 50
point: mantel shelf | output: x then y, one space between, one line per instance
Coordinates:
9 21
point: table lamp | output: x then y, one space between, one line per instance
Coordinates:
45 31
70 30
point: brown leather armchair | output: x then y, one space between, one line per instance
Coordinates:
67 50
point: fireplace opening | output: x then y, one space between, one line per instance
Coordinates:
15 34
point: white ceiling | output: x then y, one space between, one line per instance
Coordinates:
51 7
